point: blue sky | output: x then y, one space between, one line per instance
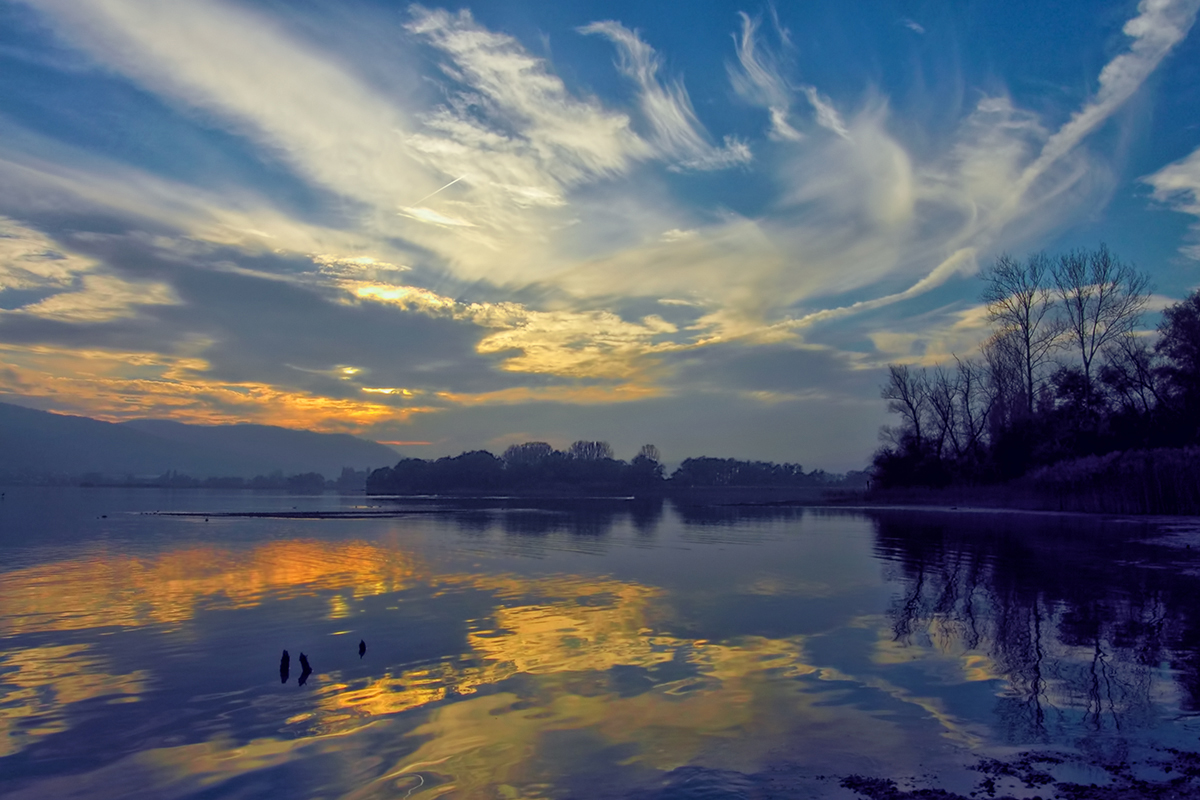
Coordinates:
706 225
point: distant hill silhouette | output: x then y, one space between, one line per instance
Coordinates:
277 448
38 442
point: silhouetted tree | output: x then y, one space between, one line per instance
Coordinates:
306 483
1102 301
534 464
706 471
351 480
1132 376
476 469
1179 346
590 451
527 453
976 399
645 471
587 470
1012 413
1020 304
907 393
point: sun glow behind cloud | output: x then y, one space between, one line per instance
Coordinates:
549 226
107 385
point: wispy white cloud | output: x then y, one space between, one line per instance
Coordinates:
567 343
299 105
827 116
556 138
934 337
960 262
494 162
1178 185
760 79
504 165
30 260
40 178
66 286
1158 27
666 106
101 298
1005 181
429 215
858 211
343 266
496 174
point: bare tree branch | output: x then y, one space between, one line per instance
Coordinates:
1020 302
1102 300
907 393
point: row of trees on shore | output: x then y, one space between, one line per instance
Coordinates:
586 467
349 482
1066 374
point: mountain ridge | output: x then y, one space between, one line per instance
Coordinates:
35 442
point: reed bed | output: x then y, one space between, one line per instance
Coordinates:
1159 481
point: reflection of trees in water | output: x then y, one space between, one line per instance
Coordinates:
731 515
584 522
646 514
576 517
1075 628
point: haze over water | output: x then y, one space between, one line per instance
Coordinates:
604 650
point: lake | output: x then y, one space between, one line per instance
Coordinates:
590 650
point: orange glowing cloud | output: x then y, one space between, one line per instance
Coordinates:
115 386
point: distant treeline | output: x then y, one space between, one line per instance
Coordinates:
1069 400
586 467
349 482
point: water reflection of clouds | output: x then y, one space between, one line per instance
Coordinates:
739 707
593 649
176 772
38 683
943 650
776 585
593 664
555 626
951 726
599 670
539 627
103 589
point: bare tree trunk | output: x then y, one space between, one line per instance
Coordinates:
907 393
943 391
975 404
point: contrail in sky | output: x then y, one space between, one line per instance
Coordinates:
447 186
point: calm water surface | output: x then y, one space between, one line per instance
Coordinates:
601 651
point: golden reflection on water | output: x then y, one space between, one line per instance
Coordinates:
570 642
562 637
725 702
38 683
567 630
731 714
104 590
567 635
942 649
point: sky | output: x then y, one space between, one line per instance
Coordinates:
707 225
